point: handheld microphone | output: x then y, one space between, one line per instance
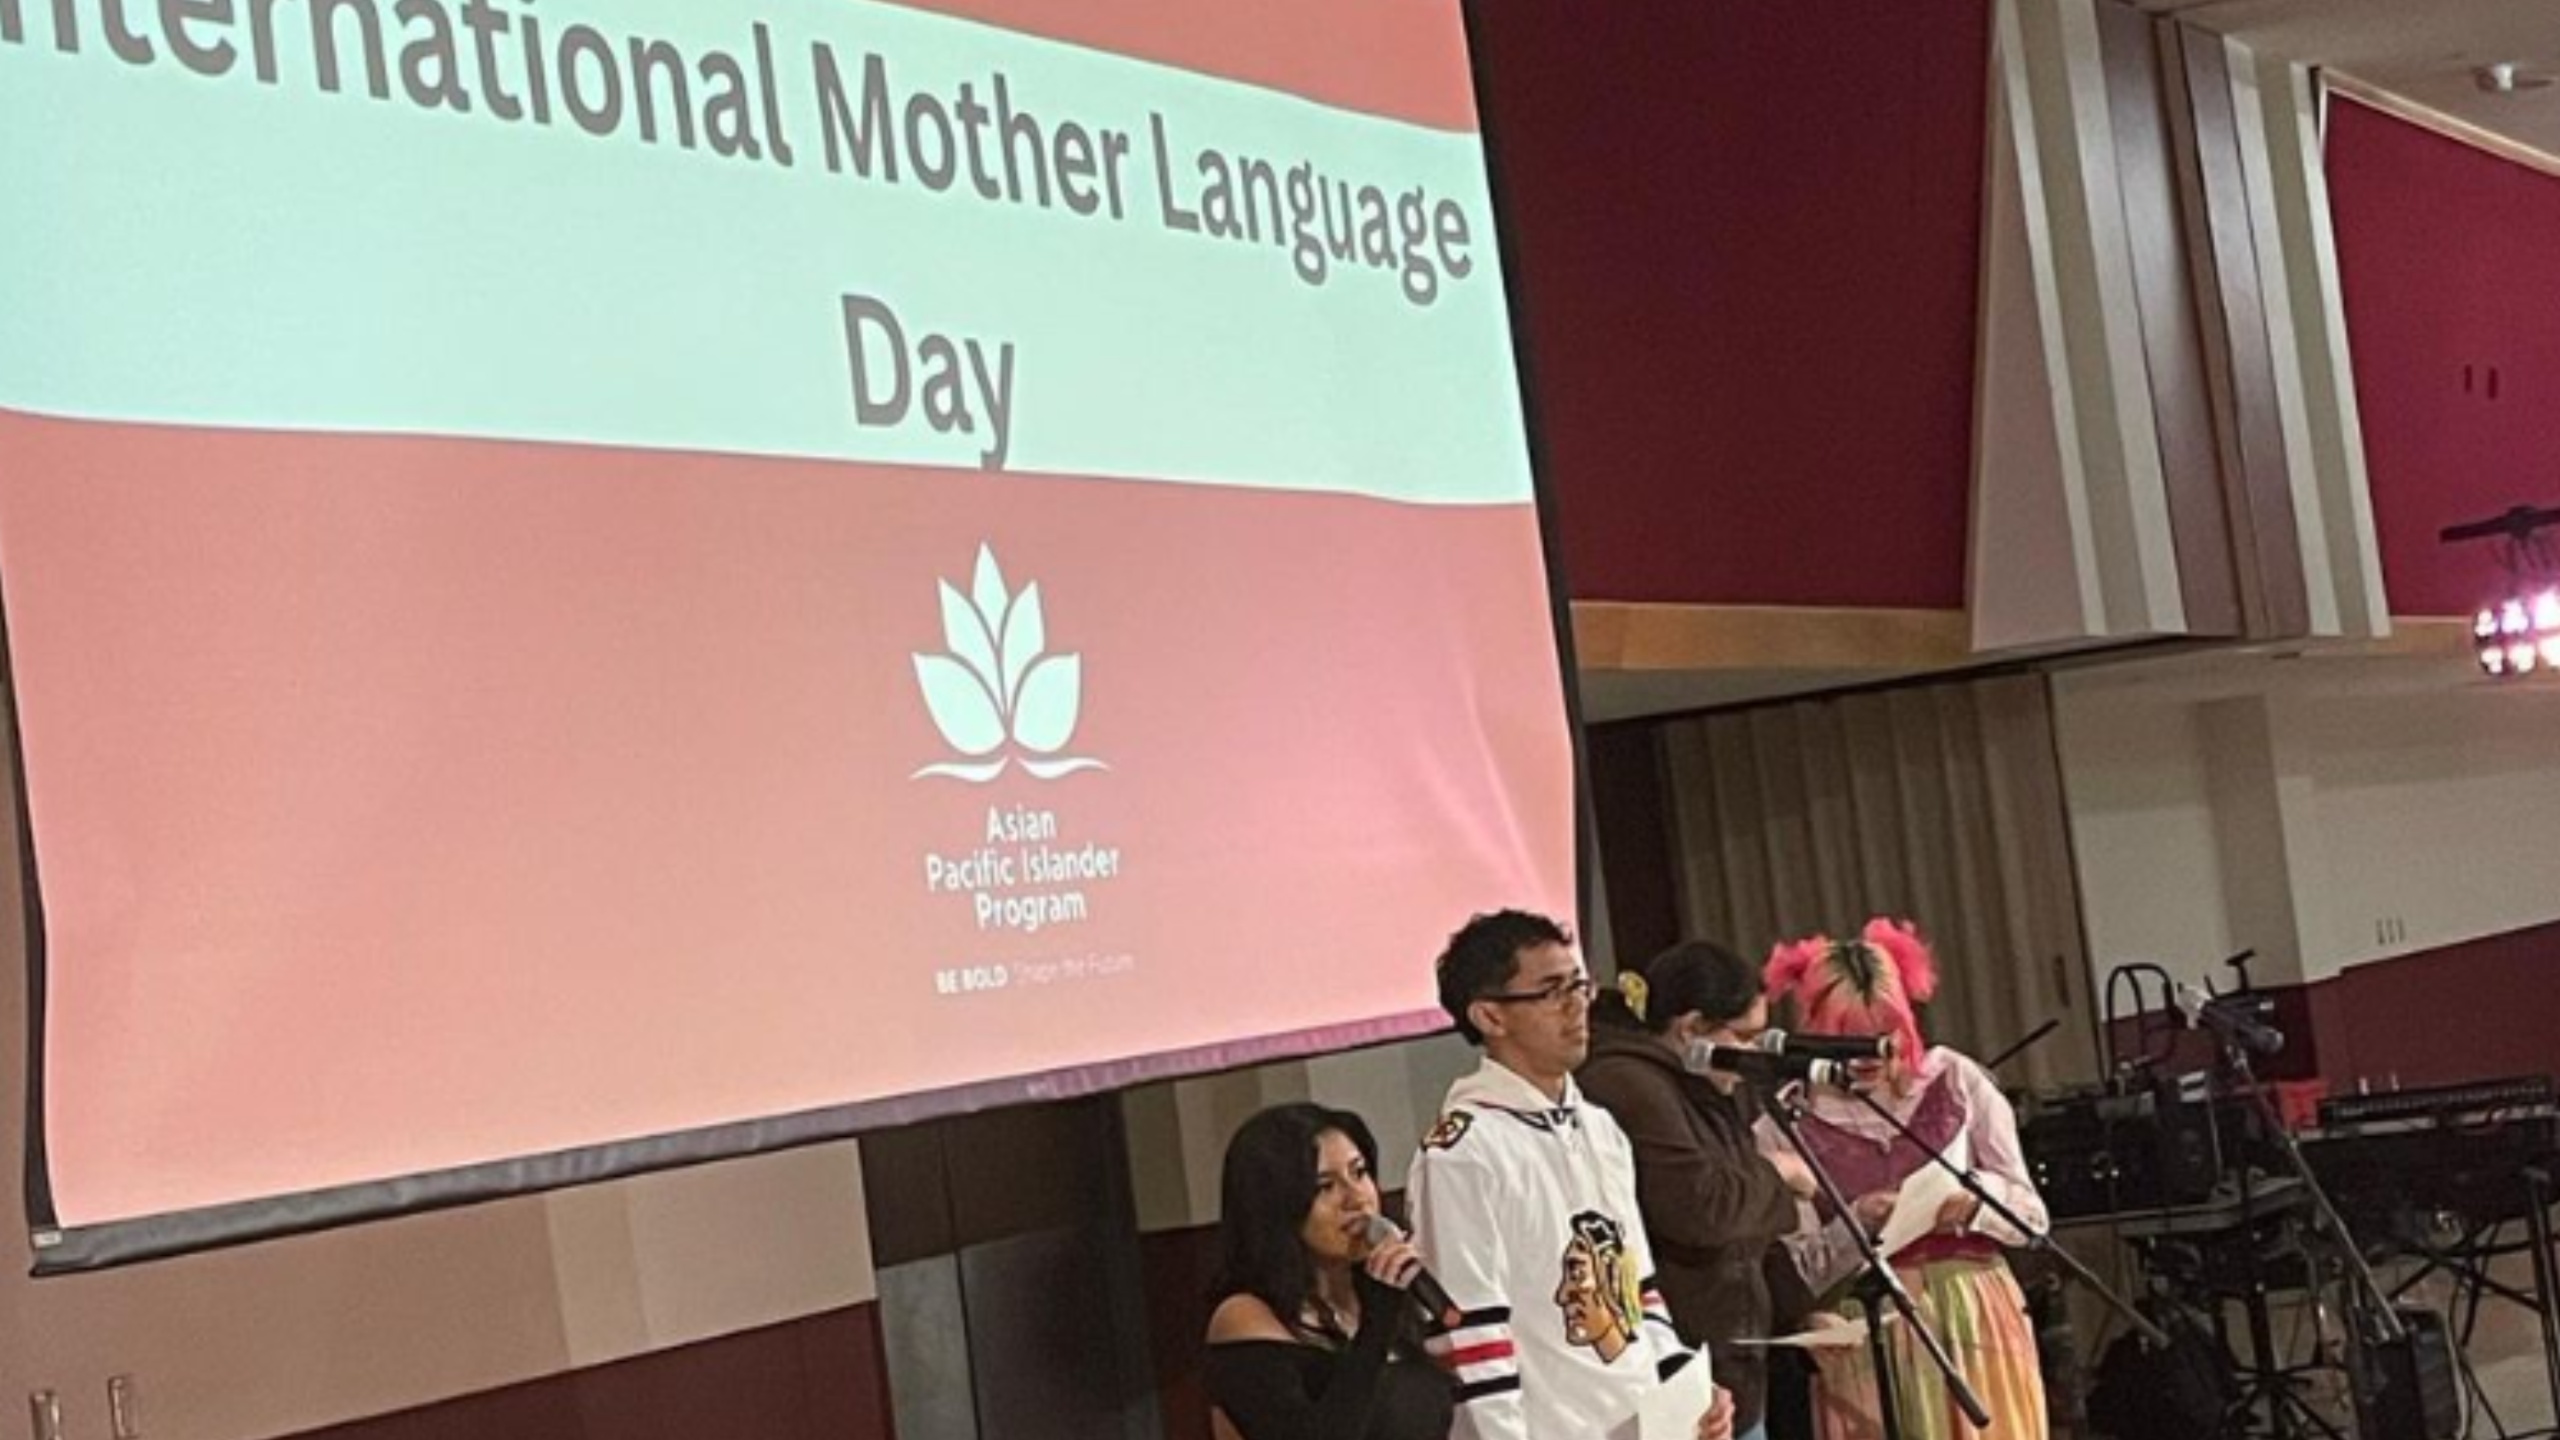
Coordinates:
1767 1066
1829 1047
1426 1290
2236 1018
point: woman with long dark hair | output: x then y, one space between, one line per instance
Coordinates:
1714 1205
1314 1336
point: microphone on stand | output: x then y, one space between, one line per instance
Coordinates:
1768 1067
1425 1289
2235 1018
1829 1047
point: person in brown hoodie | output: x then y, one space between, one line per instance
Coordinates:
1714 1205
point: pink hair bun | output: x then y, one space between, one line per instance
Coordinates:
1901 943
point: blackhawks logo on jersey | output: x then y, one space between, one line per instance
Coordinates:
1600 1294
1452 1127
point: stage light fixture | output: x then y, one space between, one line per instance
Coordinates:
2518 633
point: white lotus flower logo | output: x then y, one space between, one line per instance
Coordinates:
998 685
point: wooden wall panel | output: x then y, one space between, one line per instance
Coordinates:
2240 359
2147 159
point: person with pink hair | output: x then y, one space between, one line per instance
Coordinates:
1874 984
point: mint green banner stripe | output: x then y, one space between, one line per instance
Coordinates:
183 248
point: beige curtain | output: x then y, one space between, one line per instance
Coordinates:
1941 804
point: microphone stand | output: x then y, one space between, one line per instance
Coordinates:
2235 1055
2363 1285
2236 1035
2023 1045
2039 1238
1876 1284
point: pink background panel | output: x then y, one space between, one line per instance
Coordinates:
1403 59
404 803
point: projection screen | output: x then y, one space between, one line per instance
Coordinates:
601 584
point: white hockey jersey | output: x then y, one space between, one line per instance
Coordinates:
1526 1211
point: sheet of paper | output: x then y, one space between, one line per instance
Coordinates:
1830 1337
1915 1209
1671 1409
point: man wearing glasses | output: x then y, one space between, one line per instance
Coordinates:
1509 1192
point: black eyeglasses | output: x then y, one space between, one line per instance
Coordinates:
1579 987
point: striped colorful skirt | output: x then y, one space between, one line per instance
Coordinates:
1976 1308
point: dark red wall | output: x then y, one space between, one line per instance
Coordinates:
2451 273
1747 236
2482 1009
1179 1266
2477 1010
820 1376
